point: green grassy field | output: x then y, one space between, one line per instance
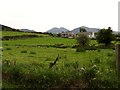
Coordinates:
41 40
11 33
32 64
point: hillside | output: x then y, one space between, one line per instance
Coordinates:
8 33
6 28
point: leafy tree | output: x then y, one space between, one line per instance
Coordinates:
82 40
82 30
59 35
105 36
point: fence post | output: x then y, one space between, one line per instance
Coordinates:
118 62
118 58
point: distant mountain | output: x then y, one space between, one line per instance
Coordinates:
7 28
26 30
77 30
56 30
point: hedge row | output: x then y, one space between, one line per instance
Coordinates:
18 37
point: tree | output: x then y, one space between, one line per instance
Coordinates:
82 40
105 36
82 29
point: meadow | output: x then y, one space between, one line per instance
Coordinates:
11 33
26 64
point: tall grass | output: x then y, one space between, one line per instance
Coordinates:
37 76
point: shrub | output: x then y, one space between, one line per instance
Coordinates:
97 61
74 46
98 50
8 49
59 46
6 44
90 48
101 46
93 77
93 38
110 54
63 46
82 40
80 49
24 51
32 52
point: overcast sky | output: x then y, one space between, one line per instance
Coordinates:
42 15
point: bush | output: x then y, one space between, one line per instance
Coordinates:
90 48
8 49
97 61
24 51
101 46
98 50
60 46
110 54
6 44
93 77
32 52
83 49
80 49
75 46
93 38
82 40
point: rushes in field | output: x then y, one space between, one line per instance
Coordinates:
24 51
